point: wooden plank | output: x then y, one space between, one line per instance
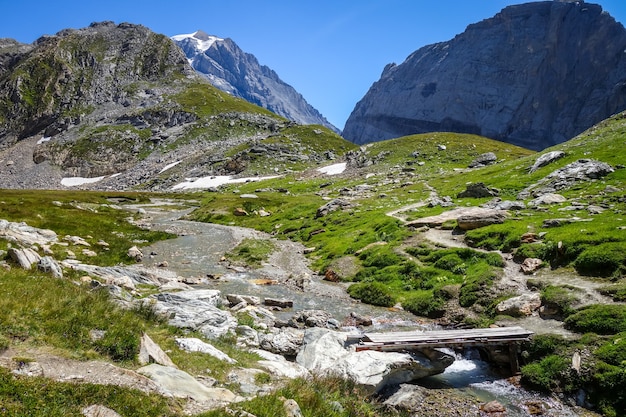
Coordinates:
501 332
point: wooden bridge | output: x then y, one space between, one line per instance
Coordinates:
416 340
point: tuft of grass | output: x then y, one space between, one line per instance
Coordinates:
598 318
251 252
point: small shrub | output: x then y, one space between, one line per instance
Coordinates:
598 318
373 293
545 374
558 298
477 286
380 258
451 262
542 345
425 304
602 260
613 352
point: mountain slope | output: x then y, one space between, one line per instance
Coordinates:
533 75
120 106
239 73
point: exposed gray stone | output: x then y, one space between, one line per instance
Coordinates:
484 159
49 265
192 344
522 305
150 352
285 341
546 159
481 219
525 92
333 205
99 411
182 385
478 190
25 258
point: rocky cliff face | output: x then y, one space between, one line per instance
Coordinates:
49 85
533 75
120 106
239 73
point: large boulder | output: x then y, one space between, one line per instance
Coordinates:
285 341
478 190
481 219
545 159
196 310
180 384
522 305
26 235
375 370
565 177
25 258
324 353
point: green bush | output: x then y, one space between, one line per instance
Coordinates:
379 258
609 394
613 352
451 262
477 286
425 304
602 260
373 293
598 318
558 298
540 250
545 374
542 345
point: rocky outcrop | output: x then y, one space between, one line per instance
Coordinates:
534 75
565 177
230 69
324 352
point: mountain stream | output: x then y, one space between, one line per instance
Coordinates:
198 251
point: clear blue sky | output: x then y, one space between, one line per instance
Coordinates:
331 51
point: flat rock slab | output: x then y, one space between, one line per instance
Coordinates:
450 215
182 385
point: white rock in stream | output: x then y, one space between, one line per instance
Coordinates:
323 353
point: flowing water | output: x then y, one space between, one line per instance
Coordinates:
198 251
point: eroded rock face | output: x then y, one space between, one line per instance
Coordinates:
508 77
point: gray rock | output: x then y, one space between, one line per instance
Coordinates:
375 371
333 205
150 352
48 264
530 265
180 384
481 219
26 235
321 349
192 344
277 365
565 177
484 159
135 253
549 198
482 82
292 409
25 258
546 159
498 204
285 341
522 305
478 190
187 309
99 411
275 302
311 318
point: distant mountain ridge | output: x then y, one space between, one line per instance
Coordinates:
239 73
534 75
